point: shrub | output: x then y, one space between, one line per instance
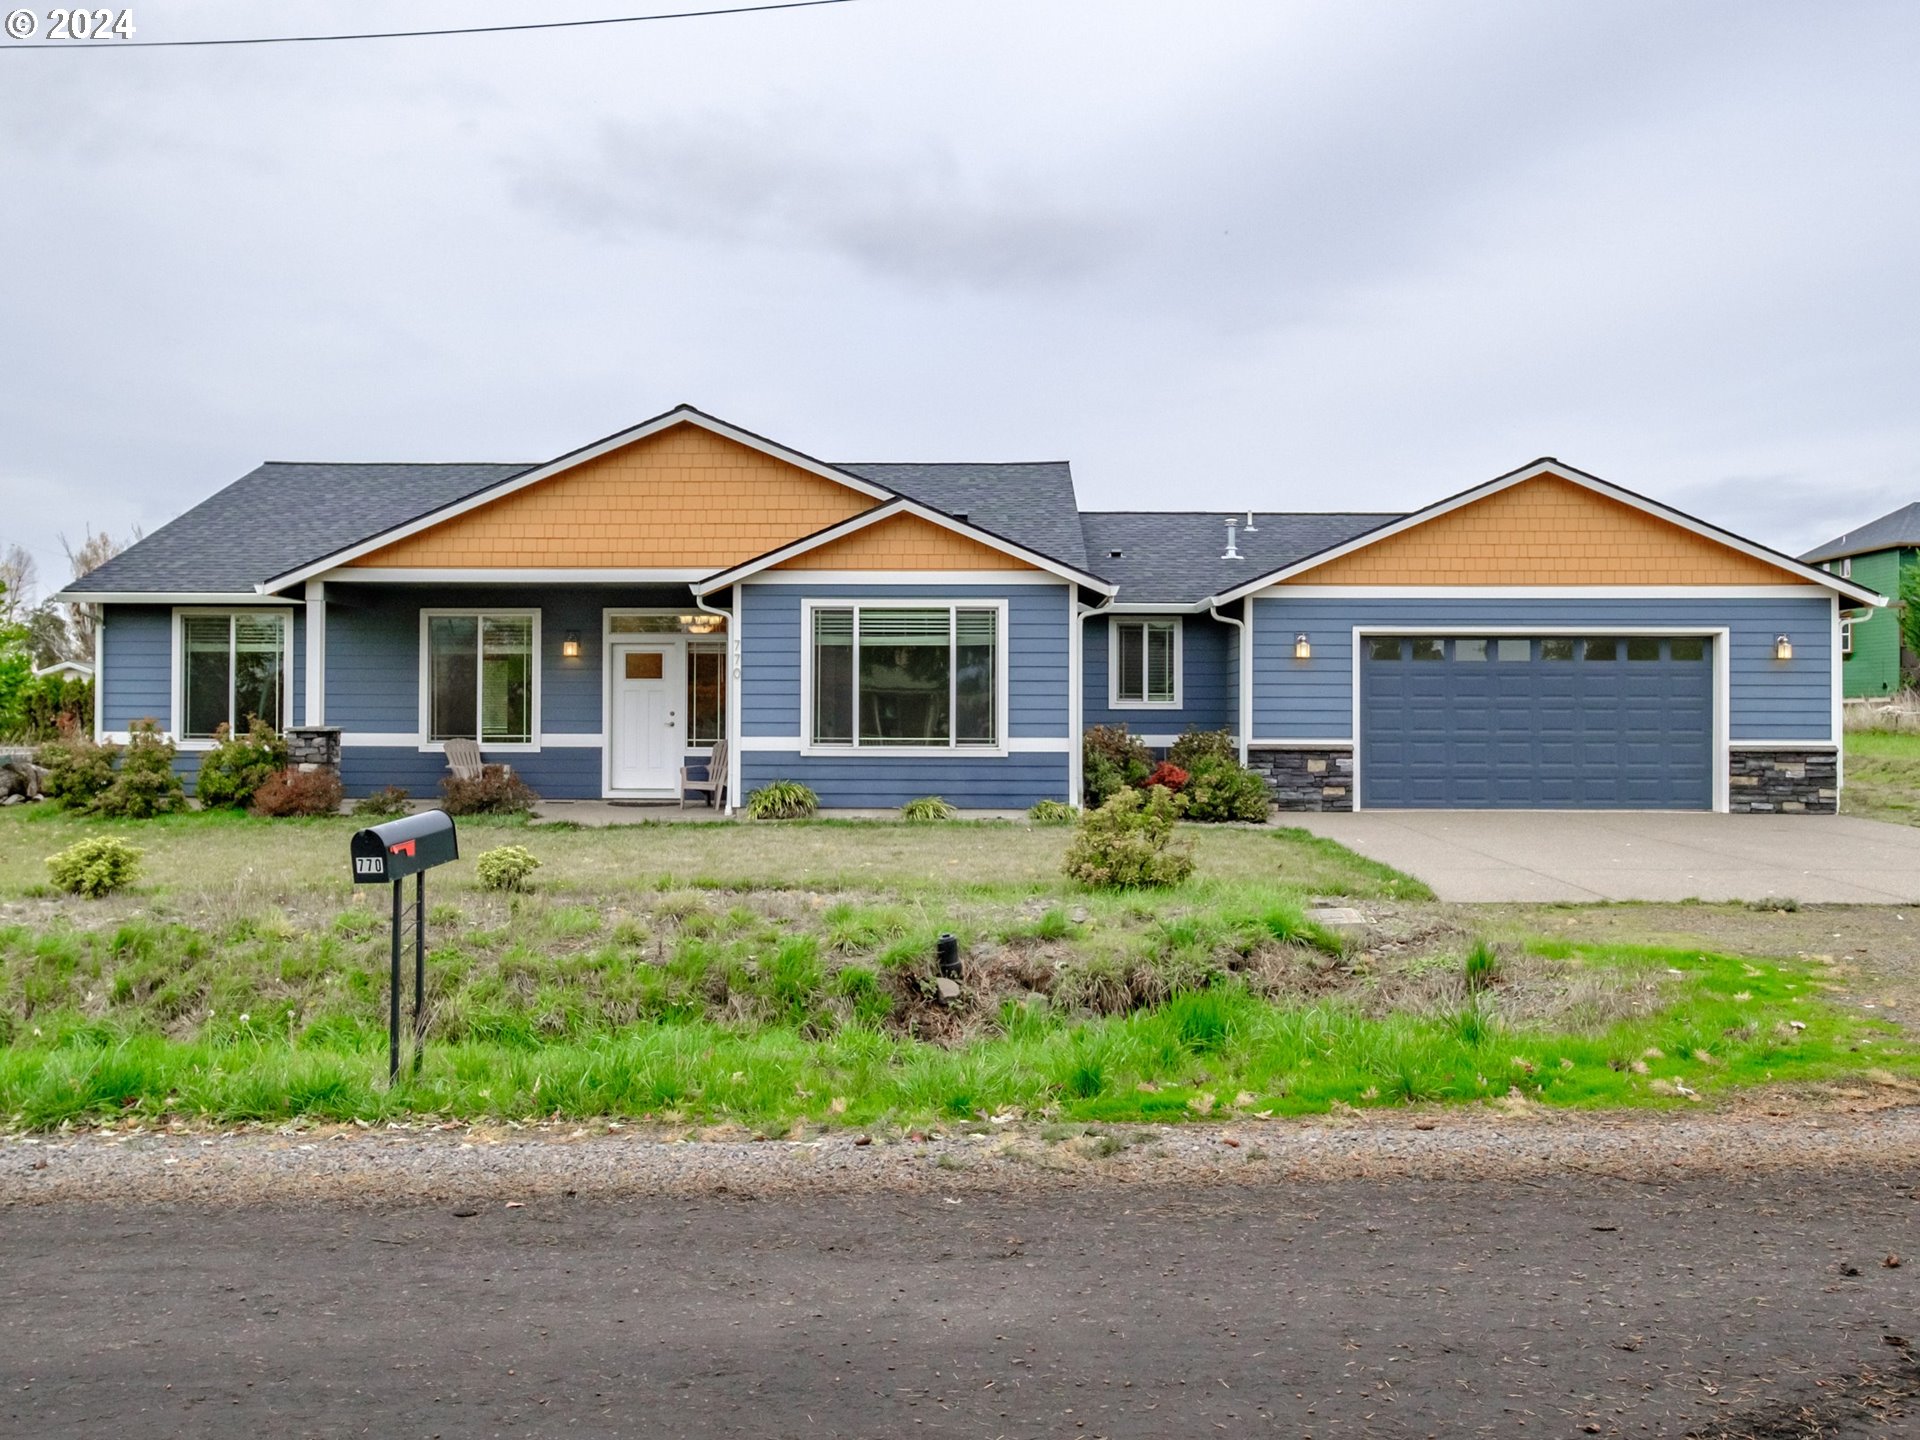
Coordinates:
1053 812
95 866
1128 843
508 867
1225 790
49 705
1193 746
1168 775
927 807
78 771
238 765
383 804
145 784
1111 760
496 790
782 800
298 792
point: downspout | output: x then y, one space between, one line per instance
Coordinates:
732 726
1246 675
1077 695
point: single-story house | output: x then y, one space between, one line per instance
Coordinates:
1878 554
885 631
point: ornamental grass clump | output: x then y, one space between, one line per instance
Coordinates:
927 808
782 800
238 765
506 867
93 867
1128 844
1053 812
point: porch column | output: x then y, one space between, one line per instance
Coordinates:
315 712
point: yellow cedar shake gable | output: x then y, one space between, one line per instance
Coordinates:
904 542
1546 531
684 498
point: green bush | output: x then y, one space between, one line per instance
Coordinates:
507 867
78 771
48 705
95 866
145 784
238 765
1194 746
782 800
298 792
1053 812
1111 760
1128 843
383 804
496 790
927 807
1224 790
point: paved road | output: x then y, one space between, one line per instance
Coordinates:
1513 855
1710 1306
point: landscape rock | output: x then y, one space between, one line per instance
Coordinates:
948 990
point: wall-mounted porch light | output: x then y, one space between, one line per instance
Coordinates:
570 647
1302 647
1782 648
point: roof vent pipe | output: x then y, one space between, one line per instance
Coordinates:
1250 529
1232 553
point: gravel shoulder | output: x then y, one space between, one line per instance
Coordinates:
430 1162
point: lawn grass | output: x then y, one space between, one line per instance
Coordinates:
1882 779
774 975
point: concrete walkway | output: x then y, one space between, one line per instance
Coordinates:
1492 855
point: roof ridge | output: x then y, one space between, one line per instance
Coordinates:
518 464
929 464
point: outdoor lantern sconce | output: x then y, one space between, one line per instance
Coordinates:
1782 648
1302 647
570 647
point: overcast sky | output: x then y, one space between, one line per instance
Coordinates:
1214 252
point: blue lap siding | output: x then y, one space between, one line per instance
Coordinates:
1769 699
1038 696
1209 679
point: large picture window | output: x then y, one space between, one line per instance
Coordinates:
233 671
480 677
909 676
1146 662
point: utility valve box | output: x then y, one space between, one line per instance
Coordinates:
403 847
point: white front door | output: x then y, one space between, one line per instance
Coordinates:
648 685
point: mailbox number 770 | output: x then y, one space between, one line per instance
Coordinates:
369 865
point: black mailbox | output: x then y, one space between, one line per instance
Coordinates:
403 847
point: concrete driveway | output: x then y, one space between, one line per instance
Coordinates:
1615 855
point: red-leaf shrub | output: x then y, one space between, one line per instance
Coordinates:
1168 774
298 792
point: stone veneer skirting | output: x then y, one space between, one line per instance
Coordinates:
313 747
1797 782
1305 779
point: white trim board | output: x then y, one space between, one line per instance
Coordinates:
1543 592
1535 470
905 577
1018 745
679 415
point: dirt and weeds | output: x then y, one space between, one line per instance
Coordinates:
1882 776
779 975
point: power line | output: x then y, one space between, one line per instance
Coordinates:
414 34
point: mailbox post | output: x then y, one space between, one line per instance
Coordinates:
411 845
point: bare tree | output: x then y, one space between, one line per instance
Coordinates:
19 578
86 557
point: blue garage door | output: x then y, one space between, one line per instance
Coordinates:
1547 723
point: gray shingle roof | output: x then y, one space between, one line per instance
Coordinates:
1172 557
281 516
1889 532
1028 502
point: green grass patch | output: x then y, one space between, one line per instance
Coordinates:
1882 776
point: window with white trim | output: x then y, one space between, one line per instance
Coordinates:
903 675
706 694
1146 662
480 676
1846 638
233 670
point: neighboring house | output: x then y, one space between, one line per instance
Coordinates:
66 669
1876 555
885 631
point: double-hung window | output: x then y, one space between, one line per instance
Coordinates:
1146 662
233 670
907 676
482 676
